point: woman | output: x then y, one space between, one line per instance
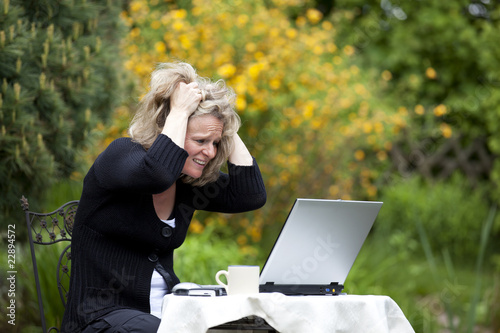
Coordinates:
140 195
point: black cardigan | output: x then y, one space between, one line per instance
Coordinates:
118 239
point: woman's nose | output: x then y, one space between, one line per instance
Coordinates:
210 151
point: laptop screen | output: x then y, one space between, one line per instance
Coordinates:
319 241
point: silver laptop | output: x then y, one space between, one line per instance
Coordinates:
317 246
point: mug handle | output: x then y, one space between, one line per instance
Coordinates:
217 278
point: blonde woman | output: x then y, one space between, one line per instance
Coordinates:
140 195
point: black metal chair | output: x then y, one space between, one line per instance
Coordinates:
49 229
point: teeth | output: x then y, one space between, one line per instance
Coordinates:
199 161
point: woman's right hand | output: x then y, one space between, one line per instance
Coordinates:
183 103
185 99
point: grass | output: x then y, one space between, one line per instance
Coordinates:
437 292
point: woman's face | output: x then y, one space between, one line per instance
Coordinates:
202 138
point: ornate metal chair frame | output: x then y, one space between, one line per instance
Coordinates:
48 229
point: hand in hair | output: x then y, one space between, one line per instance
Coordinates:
183 103
240 154
185 99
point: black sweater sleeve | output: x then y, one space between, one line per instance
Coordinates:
239 191
126 165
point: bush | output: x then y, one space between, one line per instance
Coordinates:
27 311
451 213
60 74
204 254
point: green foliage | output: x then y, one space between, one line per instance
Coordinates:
203 255
429 290
450 212
59 75
27 312
442 58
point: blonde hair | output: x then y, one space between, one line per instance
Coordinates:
154 108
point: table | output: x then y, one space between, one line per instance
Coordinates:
287 314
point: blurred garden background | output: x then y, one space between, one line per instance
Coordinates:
394 101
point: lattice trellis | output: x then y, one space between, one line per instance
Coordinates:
473 160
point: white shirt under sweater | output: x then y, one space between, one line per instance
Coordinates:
159 287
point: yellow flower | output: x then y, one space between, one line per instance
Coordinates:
242 20
254 70
135 6
371 191
241 240
259 55
160 47
185 42
431 73
129 65
178 25
180 14
348 50
274 33
275 83
250 47
308 111
334 190
331 47
386 75
226 70
156 25
255 233
446 130
360 89
440 110
318 50
367 128
314 15
382 155
327 25
135 32
241 103
359 155
291 33
419 109
300 21
196 11
196 227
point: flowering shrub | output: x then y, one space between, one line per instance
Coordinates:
311 117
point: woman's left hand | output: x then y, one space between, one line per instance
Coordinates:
240 154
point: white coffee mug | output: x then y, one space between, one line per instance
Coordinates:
240 279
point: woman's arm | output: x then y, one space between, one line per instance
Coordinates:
240 154
126 165
183 103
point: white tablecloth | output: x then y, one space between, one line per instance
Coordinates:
287 314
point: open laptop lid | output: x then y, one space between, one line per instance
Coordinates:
319 242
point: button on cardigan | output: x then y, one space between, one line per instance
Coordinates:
118 239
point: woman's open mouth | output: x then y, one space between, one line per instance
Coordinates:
199 162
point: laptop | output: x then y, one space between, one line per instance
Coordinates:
317 246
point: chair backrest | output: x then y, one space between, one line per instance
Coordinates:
48 229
